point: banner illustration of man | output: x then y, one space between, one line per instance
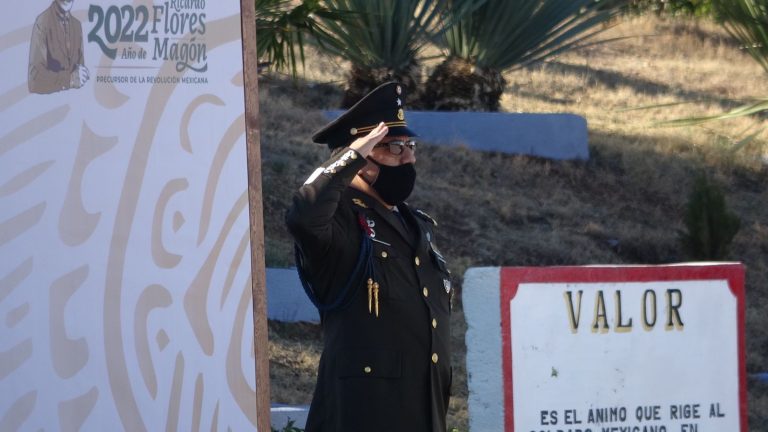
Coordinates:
56 51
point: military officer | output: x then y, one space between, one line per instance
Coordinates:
368 261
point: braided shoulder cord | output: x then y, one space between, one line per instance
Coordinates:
363 267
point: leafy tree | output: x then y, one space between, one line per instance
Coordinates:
501 35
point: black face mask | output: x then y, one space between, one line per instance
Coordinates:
394 183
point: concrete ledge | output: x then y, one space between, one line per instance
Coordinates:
553 136
280 415
286 299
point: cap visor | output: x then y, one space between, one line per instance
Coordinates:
401 131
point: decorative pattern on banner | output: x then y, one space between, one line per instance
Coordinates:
125 293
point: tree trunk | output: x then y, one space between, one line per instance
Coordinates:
457 85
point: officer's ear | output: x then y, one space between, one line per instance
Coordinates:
370 172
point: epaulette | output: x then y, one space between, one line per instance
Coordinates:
426 217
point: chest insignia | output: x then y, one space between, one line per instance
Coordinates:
367 224
447 285
358 202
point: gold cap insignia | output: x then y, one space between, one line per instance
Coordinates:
400 114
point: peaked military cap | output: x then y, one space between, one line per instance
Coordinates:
385 103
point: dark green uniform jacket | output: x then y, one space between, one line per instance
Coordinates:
389 372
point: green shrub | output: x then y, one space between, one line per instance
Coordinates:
289 428
710 226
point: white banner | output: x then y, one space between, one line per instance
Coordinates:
125 299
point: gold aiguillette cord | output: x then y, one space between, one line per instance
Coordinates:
376 298
370 294
373 297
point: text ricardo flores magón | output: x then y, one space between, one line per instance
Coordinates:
177 28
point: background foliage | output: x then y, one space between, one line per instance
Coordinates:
710 226
699 8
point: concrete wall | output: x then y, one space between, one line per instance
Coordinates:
286 299
553 136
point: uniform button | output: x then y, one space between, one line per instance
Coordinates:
417 261
425 291
353 155
383 254
342 163
434 323
434 358
367 369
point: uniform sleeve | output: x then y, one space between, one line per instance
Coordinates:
310 218
79 37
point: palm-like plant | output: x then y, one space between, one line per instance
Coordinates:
282 27
382 39
505 34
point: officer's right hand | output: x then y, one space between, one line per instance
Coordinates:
365 144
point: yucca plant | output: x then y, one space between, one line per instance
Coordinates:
746 21
282 29
502 35
382 40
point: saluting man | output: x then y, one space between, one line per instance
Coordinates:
368 261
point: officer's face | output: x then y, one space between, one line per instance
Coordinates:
65 5
383 156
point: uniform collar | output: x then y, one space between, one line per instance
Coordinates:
62 16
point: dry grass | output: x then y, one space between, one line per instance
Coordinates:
624 205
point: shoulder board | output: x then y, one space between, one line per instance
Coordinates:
426 217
